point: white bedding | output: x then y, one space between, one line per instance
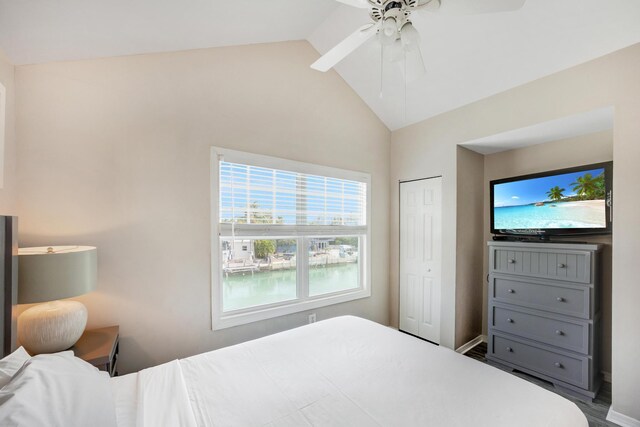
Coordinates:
344 371
125 396
57 390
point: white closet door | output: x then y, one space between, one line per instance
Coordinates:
421 257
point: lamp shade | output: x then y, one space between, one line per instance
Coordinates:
56 272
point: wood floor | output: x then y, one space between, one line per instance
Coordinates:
596 412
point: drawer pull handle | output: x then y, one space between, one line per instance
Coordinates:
511 291
509 349
509 320
558 365
559 332
561 265
511 261
560 299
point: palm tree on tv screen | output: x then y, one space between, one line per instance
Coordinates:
555 193
600 187
588 187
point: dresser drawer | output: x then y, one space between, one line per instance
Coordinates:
570 369
571 300
570 335
571 266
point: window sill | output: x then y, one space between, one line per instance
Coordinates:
230 320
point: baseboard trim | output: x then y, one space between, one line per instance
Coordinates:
606 376
474 342
621 419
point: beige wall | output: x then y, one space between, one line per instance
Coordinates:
429 148
8 191
594 148
469 244
415 156
115 153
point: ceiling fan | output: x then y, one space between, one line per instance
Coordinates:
392 23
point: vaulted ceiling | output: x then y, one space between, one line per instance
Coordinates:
467 57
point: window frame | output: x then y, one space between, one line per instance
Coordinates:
302 234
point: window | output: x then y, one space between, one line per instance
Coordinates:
287 237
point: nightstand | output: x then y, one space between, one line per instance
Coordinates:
100 348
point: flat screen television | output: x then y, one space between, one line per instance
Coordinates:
570 201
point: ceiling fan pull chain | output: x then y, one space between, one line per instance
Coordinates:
404 110
381 68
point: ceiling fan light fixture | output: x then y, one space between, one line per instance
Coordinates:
384 40
389 27
410 37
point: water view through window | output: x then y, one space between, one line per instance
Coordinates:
290 237
263 271
333 265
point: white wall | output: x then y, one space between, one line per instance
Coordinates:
8 191
115 153
429 148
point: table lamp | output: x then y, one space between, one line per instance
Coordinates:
49 274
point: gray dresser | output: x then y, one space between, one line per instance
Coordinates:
544 312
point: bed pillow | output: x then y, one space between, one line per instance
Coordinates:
57 390
11 364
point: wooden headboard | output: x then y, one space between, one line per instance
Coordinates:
9 277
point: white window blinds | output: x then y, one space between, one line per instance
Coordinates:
259 195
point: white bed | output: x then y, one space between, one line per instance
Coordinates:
344 371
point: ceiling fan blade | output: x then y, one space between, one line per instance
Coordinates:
472 7
362 4
345 47
429 5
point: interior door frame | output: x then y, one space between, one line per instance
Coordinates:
400 182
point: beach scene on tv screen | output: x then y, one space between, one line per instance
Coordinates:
572 200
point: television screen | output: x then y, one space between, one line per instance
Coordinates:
558 202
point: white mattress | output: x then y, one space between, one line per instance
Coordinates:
344 371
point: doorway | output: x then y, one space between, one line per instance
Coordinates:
421 257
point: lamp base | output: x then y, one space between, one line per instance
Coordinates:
52 326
